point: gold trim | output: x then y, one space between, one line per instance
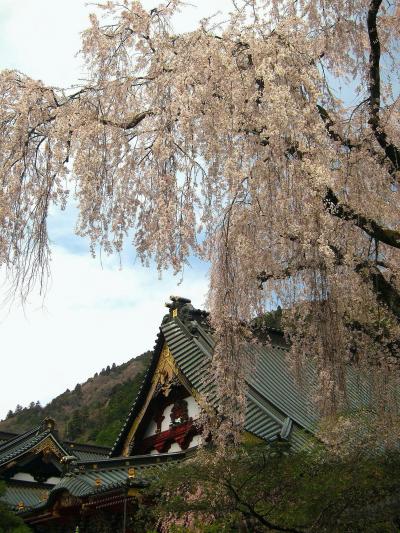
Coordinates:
164 372
250 438
48 446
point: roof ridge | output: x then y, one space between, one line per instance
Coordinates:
19 437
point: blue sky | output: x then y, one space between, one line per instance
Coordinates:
94 313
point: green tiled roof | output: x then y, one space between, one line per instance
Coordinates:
277 406
21 444
29 494
267 402
13 445
96 477
86 452
273 394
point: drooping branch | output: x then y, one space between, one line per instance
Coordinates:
385 292
333 134
368 225
248 510
391 151
369 271
392 346
129 124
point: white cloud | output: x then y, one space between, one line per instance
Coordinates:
41 38
91 317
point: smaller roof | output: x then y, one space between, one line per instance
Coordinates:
13 444
86 452
90 478
20 445
23 496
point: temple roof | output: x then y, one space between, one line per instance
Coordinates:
86 452
17 450
277 405
22 496
12 444
94 477
90 479
15 447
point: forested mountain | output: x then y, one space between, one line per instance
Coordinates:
91 413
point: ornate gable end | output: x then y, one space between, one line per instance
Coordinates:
49 448
164 374
165 421
34 456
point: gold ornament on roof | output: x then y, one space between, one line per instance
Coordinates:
44 494
48 447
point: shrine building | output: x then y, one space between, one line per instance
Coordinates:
57 486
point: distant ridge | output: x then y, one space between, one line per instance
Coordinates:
91 413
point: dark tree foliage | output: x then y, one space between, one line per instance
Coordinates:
268 488
116 411
88 414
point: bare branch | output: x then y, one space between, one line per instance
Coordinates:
368 225
391 151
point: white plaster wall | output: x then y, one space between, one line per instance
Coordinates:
154 452
174 448
53 480
167 418
23 476
193 408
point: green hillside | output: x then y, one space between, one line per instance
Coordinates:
91 413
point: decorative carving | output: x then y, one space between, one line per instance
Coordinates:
166 384
44 494
48 447
163 377
158 418
180 433
165 372
69 463
48 423
67 500
179 413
